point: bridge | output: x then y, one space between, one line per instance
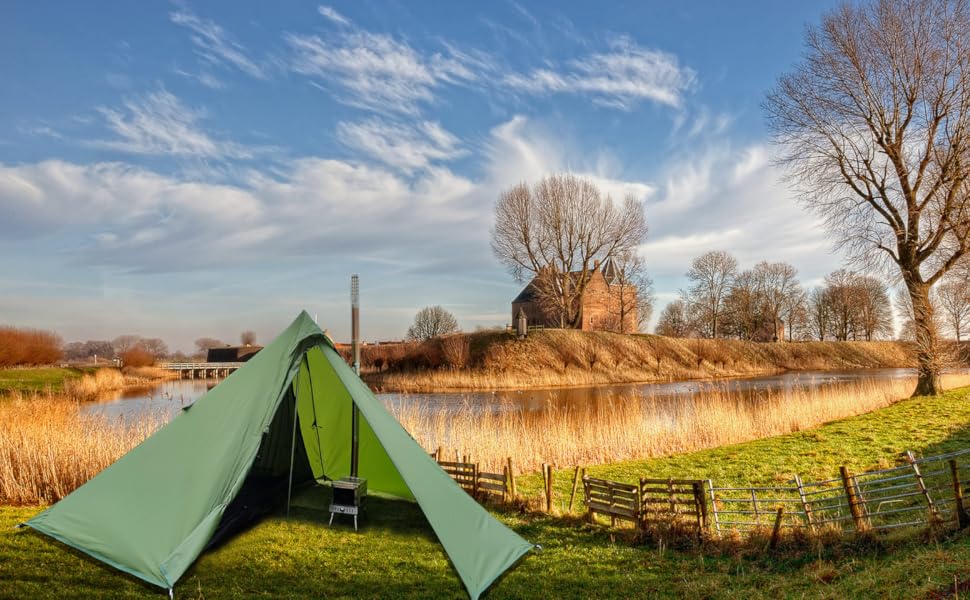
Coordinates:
202 370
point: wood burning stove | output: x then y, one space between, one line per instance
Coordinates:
348 497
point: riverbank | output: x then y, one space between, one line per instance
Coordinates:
395 553
557 357
76 383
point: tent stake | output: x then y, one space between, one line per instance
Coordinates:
289 487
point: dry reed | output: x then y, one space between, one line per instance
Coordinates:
48 447
90 386
632 428
555 358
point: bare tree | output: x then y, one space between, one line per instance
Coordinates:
555 230
247 338
953 299
744 314
779 289
874 125
631 305
123 343
842 296
797 315
819 314
674 320
154 346
432 321
873 310
203 344
711 276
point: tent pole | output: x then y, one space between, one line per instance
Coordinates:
289 487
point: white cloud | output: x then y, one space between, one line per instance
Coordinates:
379 72
329 13
214 45
622 77
158 123
407 147
117 214
728 198
205 78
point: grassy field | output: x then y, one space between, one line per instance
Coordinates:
39 379
560 357
395 554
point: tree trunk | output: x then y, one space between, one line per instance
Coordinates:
924 327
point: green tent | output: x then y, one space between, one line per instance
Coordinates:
155 510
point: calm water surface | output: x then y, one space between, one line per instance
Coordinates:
167 398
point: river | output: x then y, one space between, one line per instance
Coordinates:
168 397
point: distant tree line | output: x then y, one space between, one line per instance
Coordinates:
767 303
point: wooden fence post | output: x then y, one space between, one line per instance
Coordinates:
776 531
512 490
505 478
963 519
548 478
572 496
439 453
545 485
854 509
806 507
700 504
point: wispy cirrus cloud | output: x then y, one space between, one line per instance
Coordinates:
158 123
215 45
328 12
408 147
622 77
377 71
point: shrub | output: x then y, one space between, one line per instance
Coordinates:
456 350
137 356
20 346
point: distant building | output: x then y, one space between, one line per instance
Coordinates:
602 304
231 353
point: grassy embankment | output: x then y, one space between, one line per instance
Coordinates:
550 358
395 554
76 383
39 379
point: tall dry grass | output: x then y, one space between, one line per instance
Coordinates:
48 447
561 357
91 385
632 428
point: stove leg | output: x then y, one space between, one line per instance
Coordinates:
331 521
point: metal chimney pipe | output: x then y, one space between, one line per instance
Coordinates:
355 349
355 321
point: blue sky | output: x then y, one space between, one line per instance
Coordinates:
181 170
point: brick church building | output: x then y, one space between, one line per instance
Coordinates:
606 304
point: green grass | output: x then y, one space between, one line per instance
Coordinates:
37 380
395 554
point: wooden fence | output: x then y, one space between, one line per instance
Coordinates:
479 484
920 492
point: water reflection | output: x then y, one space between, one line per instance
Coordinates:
168 397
